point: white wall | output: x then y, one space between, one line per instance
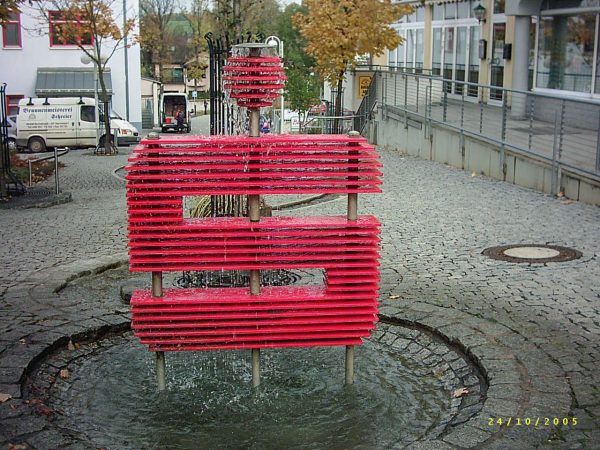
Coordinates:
18 67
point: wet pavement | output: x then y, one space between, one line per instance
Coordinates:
533 329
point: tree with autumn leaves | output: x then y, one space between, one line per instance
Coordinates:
337 31
91 26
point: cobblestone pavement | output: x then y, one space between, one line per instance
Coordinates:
533 329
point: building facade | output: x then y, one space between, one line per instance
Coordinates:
545 46
34 62
541 45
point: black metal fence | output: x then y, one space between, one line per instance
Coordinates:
9 183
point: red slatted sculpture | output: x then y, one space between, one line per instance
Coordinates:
161 172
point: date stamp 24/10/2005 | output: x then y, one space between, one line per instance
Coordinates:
531 421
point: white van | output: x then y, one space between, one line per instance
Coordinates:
66 122
171 103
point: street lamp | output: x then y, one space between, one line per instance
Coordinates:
479 12
274 41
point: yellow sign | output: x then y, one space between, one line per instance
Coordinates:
363 85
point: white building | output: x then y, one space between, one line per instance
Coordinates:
34 63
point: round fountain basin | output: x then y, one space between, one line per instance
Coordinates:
402 393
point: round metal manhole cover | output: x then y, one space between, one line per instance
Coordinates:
532 253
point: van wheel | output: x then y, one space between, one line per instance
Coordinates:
36 145
163 130
12 144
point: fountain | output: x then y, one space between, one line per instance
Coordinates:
162 171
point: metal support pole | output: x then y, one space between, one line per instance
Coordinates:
349 365
255 367
56 186
598 145
161 371
157 287
554 184
445 105
254 215
352 215
503 137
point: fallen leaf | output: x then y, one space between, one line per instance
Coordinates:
45 410
394 296
567 202
560 194
473 174
460 392
64 373
4 397
17 447
71 346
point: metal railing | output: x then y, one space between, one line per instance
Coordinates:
367 105
55 156
562 131
328 124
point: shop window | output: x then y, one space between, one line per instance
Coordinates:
449 11
67 31
11 31
438 12
419 51
437 51
12 104
566 52
465 9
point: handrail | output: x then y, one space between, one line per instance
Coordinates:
511 122
401 71
30 162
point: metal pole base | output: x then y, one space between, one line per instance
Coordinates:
255 367
349 365
161 371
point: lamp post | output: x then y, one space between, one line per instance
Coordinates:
273 41
85 59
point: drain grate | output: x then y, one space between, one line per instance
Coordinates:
532 253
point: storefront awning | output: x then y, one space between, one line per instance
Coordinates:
69 82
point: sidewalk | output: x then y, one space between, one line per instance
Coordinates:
532 328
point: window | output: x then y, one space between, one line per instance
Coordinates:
87 113
69 32
12 104
499 6
11 31
566 52
174 75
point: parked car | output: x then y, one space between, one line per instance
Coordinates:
11 132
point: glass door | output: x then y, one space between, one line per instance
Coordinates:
449 50
461 59
473 60
497 60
